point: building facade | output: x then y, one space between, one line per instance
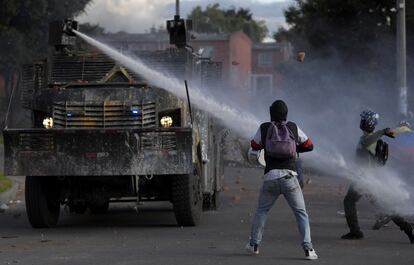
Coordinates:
233 50
265 78
133 42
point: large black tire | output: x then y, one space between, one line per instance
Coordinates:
78 208
187 199
99 208
42 201
211 201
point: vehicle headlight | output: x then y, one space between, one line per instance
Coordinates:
166 121
48 122
135 111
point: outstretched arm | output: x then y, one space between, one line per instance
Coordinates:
373 137
305 144
256 142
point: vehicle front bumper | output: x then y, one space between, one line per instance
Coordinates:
98 152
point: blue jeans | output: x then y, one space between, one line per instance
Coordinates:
270 191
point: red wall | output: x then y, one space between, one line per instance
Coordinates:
235 54
221 51
241 64
279 55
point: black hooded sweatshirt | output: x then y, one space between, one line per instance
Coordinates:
278 113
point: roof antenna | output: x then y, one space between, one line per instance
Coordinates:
177 8
189 103
178 28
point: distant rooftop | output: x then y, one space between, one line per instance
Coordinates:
210 36
270 45
161 37
164 37
136 37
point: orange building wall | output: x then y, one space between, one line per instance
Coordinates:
235 54
278 56
221 52
240 57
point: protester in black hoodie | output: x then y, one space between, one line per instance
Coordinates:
280 179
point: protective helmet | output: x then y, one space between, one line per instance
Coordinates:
369 119
404 123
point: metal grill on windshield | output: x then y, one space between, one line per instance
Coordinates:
113 114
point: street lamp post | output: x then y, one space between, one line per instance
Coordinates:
402 58
177 7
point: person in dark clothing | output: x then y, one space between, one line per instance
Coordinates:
366 156
280 178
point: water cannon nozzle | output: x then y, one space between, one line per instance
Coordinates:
61 33
69 25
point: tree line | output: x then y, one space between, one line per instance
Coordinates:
360 35
24 34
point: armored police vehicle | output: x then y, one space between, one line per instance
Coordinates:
101 134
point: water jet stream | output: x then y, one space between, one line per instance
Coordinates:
387 188
244 123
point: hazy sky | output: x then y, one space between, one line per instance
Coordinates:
139 15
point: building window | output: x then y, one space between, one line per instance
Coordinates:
264 59
262 84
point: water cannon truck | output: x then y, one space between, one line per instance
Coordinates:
100 134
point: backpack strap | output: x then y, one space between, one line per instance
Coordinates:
264 127
294 129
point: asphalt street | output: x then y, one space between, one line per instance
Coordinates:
152 237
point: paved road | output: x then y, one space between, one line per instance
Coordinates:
151 237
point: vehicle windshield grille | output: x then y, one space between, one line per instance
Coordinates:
109 114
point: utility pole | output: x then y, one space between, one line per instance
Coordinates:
402 58
177 8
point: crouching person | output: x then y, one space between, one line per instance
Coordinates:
281 140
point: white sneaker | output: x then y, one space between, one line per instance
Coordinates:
311 254
252 249
3 207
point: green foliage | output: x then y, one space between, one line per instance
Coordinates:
214 19
354 31
346 25
24 28
5 183
12 49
